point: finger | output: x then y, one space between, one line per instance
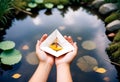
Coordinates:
65 37
75 47
37 45
70 40
42 38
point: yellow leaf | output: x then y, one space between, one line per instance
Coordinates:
100 70
16 76
25 47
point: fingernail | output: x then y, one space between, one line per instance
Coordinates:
75 42
37 40
69 36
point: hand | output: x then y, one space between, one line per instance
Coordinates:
68 57
43 56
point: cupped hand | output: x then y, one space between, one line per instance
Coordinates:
43 56
68 57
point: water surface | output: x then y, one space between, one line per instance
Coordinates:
81 24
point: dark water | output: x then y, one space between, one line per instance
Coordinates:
81 24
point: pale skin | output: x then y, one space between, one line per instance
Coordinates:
46 62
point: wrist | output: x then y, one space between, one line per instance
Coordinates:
45 64
63 65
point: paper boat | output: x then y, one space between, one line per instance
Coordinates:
63 43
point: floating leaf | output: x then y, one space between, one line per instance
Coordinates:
79 38
106 79
32 5
60 6
7 45
49 5
32 59
87 63
89 45
28 9
10 57
25 47
39 1
16 76
99 70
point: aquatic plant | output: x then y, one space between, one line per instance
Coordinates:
39 1
7 45
112 17
60 6
5 7
22 4
9 55
87 63
57 2
49 5
117 37
88 45
32 5
114 48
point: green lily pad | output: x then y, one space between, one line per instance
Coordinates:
60 6
10 57
28 9
7 45
39 1
32 5
49 5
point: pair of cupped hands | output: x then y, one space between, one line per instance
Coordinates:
49 59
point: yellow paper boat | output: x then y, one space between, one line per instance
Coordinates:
56 44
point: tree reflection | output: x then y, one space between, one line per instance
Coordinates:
48 12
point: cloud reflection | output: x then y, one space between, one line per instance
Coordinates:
37 21
82 17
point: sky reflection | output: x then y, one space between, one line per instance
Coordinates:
81 24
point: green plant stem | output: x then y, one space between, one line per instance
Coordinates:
23 10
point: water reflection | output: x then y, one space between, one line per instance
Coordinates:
81 24
37 21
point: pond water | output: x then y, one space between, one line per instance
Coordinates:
82 25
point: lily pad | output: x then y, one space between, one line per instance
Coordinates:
60 6
10 57
28 9
32 59
87 63
39 1
7 45
89 45
49 5
32 5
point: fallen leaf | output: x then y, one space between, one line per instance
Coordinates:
100 70
25 47
106 79
16 75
